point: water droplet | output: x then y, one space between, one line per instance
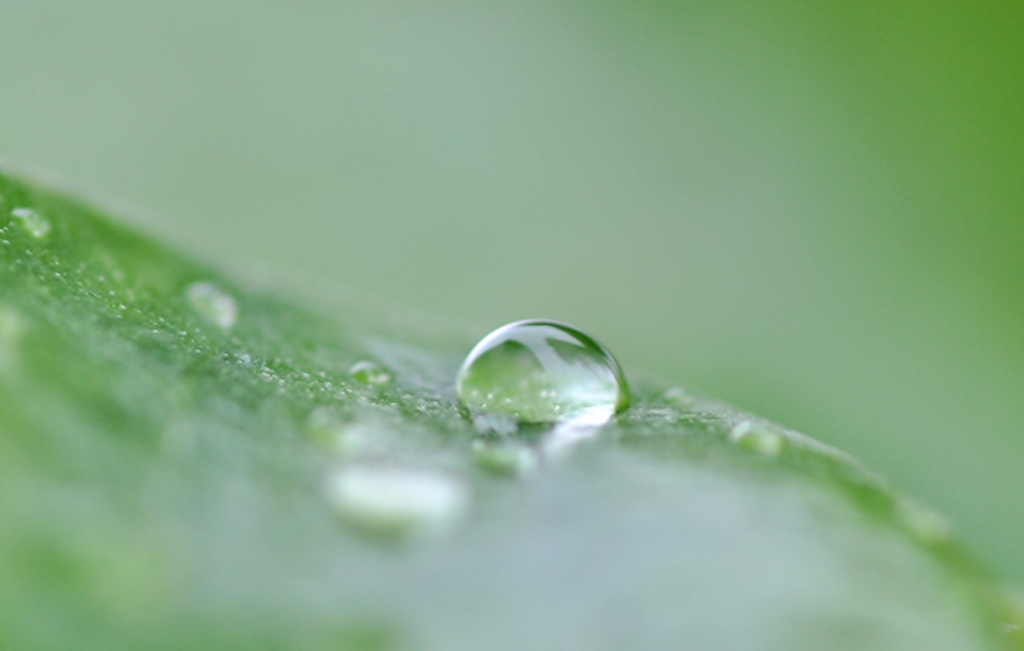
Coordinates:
369 373
397 502
505 457
757 437
680 397
32 222
924 523
346 438
542 372
213 304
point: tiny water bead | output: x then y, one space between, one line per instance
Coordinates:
33 222
542 372
397 502
505 457
924 523
369 373
213 304
679 397
759 438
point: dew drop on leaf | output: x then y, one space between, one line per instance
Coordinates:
213 304
923 523
369 373
539 372
758 438
33 222
509 458
397 502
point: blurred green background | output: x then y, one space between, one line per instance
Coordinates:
814 211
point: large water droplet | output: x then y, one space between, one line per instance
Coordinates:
213 304
542 372
33 222
397 501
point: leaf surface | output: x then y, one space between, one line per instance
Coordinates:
189 462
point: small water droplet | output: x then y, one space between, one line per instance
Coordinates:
213 304
538 372
369 373
505 457
397 502
757 437
33 222
924 523
346 438
680 397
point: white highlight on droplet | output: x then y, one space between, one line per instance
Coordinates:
213 304
397 501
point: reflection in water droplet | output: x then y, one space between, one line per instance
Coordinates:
369 373
213 304
32 222
505 457
759 438
397 502
542 372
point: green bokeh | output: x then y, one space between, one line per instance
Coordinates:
816 212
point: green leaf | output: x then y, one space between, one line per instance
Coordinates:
190 463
